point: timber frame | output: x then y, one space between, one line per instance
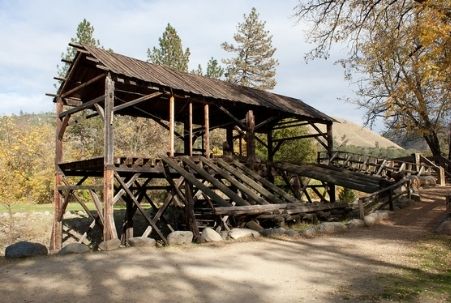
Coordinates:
105 84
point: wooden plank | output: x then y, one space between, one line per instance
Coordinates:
136 101
250 151
215 182
265 182
141 210
84 106
226 175
249 182
98 204
189 212
207 130
171 127
190 178
83 85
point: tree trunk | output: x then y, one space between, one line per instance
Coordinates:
434 146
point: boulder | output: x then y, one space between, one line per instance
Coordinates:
238 233
141 242
210 235
273 232
310 232
444 227
110 244
74 248
25 249
254 225
331 227
371 219
383 214
356 223
224 234
180 237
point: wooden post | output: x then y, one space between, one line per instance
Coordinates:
330 148
229 138
207 131
188 132
171 127
57 228
109 229
250 147
269 140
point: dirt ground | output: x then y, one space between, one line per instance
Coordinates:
338 268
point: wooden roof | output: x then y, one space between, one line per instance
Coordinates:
199 86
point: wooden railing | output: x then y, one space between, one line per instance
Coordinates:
380 166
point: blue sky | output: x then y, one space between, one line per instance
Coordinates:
34 34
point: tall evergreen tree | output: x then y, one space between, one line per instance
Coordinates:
253 64
214 70
170 51
84 35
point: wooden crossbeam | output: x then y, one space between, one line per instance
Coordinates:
215 182
83 85
136 101
84 106
141 210
192 179
238 121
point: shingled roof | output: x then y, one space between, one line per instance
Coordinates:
201 86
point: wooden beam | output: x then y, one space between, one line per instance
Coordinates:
250 151
136 101
207 130
84 106
188 131
83 85
330 148
171 127
63 127
238 122
109 229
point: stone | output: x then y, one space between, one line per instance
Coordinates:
238 233
74 248
180 237
383 214
310 218
292 233
310 232
332 227
210 235
254 225
110 244
444 227
25 249
141 242
371 219
224 234
356 223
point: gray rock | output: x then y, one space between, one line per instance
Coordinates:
210 235
254 226
371 219
74 248
180 237
332 227
383 214
238 233
274 232
444 227
110 244
141 242
310 232
356 223
24 249
224 234
292 233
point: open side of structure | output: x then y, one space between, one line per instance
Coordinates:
210 191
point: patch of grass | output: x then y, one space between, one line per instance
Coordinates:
431 281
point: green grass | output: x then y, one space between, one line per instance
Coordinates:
431 279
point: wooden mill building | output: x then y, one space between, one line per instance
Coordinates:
109 84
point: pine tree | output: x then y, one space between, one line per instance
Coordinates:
84 35
253 65
170 52
214 70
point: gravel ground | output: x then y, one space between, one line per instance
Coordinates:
338 268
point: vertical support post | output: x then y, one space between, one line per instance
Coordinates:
171 127
207 131
109 228
330 148
250 147
57 228
269 139
229 138
188 131
417 161
240 144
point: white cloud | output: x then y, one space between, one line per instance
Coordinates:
34 33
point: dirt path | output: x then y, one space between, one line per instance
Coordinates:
339 268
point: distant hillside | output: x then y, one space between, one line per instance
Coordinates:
349 133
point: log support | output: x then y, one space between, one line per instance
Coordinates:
250 147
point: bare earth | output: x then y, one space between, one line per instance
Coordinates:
339 268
